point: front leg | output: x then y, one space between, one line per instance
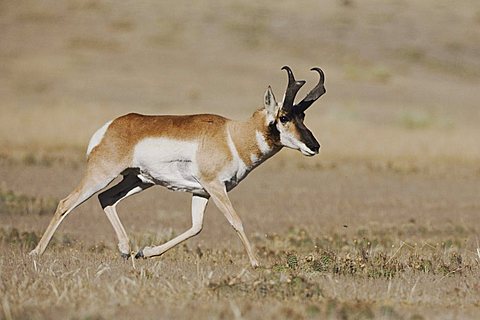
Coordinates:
219 195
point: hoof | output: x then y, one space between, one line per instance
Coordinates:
139 254
125 256
33 253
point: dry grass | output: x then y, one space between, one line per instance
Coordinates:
334 276
349 252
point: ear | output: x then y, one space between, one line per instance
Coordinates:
270 103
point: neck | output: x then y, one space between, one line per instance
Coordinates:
252 139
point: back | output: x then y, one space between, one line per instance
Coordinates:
120 136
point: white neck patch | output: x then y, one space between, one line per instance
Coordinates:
254 158
262 143
238 163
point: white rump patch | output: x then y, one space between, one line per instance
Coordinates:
97 137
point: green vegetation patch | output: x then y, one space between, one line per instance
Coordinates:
12 202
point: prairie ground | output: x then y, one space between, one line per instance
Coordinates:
340 242
384 223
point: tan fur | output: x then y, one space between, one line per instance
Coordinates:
213 154
114 154
293 129
116 148
204 154
115 151
126 131
244 136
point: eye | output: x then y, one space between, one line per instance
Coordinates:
284 119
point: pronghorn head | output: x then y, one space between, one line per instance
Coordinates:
285 119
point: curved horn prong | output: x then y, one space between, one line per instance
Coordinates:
292 88
291 77
314 94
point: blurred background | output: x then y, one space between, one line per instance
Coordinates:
402 76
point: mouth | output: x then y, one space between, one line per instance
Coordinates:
308 152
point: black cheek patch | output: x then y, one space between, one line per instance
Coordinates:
273 131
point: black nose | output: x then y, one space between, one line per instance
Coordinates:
314 146
310 141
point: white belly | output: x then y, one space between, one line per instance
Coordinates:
167 162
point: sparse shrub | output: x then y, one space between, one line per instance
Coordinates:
456 259
292 261
17 203
325 262
14 236
418 263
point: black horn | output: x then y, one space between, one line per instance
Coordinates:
291 91
314 94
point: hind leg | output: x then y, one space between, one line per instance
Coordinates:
199 204
109 199
91 183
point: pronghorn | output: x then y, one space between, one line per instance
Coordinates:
205 154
